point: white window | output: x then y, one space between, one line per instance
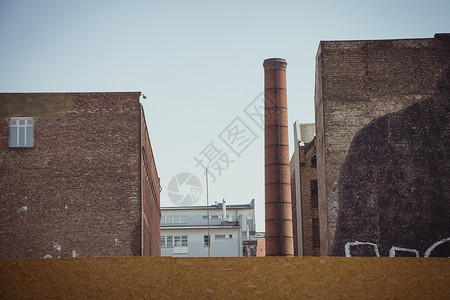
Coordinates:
174 241
173 219
206 242
213 217
180 241
250 224
179 219
223 236
170 241
21 132
166 241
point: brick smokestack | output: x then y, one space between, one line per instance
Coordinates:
279 235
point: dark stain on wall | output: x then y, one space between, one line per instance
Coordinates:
394 187
30 104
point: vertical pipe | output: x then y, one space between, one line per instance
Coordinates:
298 190
279 236
141 180
207 213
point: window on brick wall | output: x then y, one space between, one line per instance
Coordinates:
21 132
313 160
314 194
315 233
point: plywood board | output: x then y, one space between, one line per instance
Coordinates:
226 278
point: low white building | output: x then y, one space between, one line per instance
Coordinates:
184 230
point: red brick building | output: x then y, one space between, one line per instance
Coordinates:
78 176
305 208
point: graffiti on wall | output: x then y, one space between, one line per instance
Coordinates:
394 250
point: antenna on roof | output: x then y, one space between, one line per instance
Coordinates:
207 213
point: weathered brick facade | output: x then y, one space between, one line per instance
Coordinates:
310 211
77 191
151 197
365 115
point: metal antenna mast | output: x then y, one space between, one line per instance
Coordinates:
207 212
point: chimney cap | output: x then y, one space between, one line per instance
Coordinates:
274 63
274 59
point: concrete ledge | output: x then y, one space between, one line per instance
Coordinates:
225 278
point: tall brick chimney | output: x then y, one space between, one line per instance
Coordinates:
279 235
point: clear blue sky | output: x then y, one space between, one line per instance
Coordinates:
199 63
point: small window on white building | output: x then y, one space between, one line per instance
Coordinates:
179 219
164 243
169 242
180 241
173 219
223 236
206 241
250 224
212 217
21 132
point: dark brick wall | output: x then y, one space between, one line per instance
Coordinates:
358 82
394 187
151 197
294 205
78 189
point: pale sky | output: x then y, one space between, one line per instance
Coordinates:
199 63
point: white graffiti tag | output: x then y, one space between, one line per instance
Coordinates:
394 249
